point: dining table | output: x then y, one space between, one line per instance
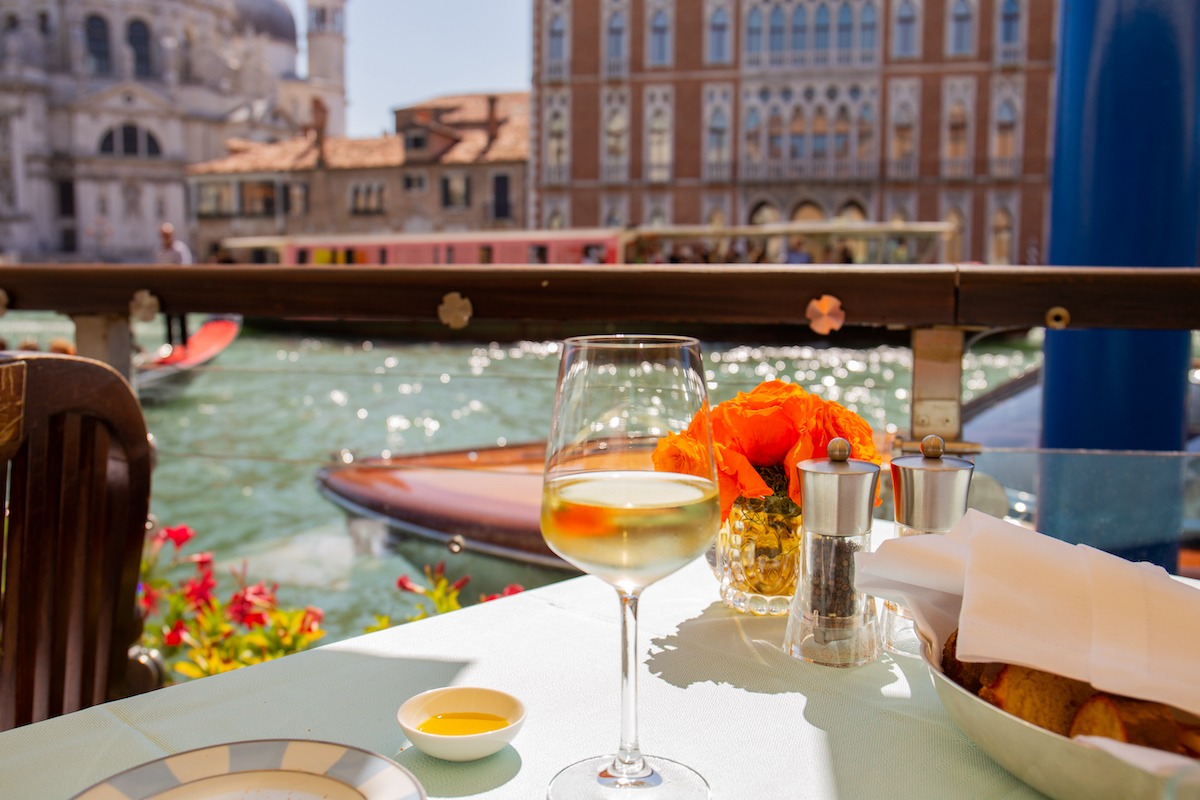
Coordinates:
717 692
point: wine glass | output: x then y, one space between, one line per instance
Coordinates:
610 512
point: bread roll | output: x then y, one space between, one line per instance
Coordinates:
1128 720
1041 698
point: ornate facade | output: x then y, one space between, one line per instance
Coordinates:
661 111
104 103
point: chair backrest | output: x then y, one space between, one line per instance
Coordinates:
73 441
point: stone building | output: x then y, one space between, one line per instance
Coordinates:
104 104
745 111
454 163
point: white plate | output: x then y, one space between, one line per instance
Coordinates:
269 769
1054 765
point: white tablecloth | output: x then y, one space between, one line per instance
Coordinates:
716 693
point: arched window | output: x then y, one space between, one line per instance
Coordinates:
821 30
137 35
841 133
868 34
753 135
660 40
799 29
820 135
130 141
1006 131
1002 237
808 211
866 134
797 135
556 149
961 24
615 43
902 133
615 135
660 145
1010 22
775 135
98 55
556 50
718 37
718 138
954 239
754 32
775 32
956 143
845 30
906 29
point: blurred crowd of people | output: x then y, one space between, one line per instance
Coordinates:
739 251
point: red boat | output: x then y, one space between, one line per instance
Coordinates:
164 374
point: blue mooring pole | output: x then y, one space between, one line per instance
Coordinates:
1125 191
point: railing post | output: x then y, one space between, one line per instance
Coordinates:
107 338
937 383
1125 192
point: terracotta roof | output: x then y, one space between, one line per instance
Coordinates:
467 114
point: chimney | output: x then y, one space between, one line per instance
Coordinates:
493 122
320 118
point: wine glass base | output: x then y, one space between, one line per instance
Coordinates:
663 780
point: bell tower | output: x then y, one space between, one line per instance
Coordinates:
327 58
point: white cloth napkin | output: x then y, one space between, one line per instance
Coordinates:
1021 597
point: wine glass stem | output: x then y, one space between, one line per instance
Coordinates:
629 761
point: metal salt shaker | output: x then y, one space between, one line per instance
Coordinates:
831 622
931 497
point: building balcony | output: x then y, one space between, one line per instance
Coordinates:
615 172
1005 167
658 173
867 57
616 68
556 174
777 58
717 171
556 71
754 60
956 168
904 168
1009 54
799 58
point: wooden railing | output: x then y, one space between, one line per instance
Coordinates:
939 303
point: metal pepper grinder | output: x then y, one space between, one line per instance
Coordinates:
931 497
831 622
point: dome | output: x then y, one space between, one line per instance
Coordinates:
270 17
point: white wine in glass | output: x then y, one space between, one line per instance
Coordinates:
609 511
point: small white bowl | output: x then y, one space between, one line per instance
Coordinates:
456 700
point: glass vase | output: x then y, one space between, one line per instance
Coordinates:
758 556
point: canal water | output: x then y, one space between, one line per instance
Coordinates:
237 453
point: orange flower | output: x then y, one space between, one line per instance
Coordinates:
682 453
776 424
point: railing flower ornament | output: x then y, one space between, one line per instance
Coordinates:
825 314
144 306
455 310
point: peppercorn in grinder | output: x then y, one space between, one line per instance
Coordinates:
831 622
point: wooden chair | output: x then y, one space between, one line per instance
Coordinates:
73 441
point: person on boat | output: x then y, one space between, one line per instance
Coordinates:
174 251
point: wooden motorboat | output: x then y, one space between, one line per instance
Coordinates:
487 501
163 375
478 501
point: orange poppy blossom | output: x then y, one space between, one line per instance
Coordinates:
777 425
